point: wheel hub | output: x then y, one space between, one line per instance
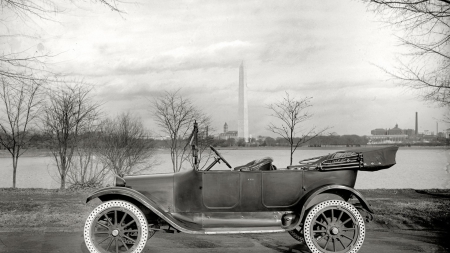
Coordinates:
334 231
115 232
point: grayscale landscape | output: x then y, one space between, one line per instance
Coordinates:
90 90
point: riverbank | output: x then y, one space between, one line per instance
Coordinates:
47 153
54 210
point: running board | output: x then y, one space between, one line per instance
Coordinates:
250 230
216 231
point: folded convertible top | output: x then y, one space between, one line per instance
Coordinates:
367 159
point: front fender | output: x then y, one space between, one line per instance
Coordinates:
337 190
116 192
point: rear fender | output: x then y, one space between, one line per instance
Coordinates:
140 200
329 192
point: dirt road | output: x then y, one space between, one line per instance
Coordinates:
375 242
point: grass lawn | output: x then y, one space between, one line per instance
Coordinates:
410 209
23 209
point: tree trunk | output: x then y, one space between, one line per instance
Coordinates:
291 157
291 140
14 170
63 181
63 172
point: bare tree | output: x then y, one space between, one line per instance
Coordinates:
69 113
86 169
175 115
20 103
123 145
292 113
424 27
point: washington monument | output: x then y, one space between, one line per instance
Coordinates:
243 107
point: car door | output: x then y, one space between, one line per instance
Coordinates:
221 189
250 191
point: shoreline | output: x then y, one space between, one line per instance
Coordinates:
47 153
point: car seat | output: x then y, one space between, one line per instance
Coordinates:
255 165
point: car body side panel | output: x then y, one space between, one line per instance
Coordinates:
220 189
313 179
157 187
188 190
250 186
281 188
250 191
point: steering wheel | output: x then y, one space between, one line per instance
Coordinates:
218 154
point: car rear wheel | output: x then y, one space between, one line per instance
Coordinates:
334 226
116 226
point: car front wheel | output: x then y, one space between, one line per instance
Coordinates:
116 226
334 226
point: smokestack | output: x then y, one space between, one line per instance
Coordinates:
437 129
417 128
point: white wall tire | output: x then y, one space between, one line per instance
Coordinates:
334 226
116 226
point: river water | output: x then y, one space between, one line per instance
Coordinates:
418 168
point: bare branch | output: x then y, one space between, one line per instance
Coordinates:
175 115
123 145
292 113
425 28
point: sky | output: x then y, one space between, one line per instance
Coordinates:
332 51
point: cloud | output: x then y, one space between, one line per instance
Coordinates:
308 48
226 54
220 55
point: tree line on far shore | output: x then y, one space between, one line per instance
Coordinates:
42 141
267 141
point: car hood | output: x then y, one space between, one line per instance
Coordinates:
157 187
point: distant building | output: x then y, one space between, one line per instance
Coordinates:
228 134
409 132
243 105
394 135
387 139
378 131
395 131
416 131
429 138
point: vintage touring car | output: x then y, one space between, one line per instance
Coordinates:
310 201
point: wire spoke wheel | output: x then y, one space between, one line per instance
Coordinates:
334 226
116 227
